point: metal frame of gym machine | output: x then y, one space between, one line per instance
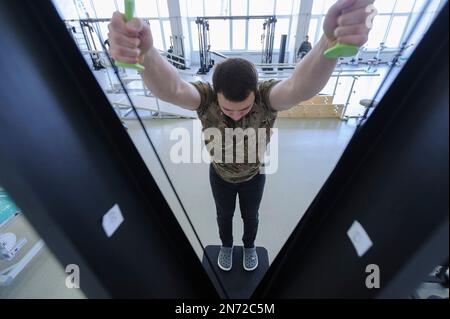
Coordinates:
87 32
392 179
268 37
177 61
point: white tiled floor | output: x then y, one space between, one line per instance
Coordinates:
308 152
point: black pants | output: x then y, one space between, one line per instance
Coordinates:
250 195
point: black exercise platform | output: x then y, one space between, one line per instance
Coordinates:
238 283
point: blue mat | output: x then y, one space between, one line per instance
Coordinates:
7 208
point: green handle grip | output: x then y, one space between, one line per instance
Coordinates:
129 14
129 10
341 50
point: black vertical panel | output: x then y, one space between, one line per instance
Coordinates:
393 180
282 48
66 160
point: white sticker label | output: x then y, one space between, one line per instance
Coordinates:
112 220
361 241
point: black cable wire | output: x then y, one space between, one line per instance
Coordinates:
97 31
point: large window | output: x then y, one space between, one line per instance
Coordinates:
385 6
86 9
239 7
312 32
395 34
283 8
105 8
395 18
194 36
217 8
220 35
156 10
242 35
158 41
145 8
261 7
380 26
254 35
423 14
322 6
404 6
195 8
281 28
163 8
66 8
394 21
239 37
167 33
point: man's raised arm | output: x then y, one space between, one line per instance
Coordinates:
132 42
345 22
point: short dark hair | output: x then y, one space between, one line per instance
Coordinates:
235 78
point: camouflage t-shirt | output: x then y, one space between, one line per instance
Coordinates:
236 147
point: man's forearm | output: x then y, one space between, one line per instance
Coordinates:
313 72
159 76
345 22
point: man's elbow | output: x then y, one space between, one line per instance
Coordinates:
168 94
297 94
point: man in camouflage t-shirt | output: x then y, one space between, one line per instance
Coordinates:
231 178
261 116
237 100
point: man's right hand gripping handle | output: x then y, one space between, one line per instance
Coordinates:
129 41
